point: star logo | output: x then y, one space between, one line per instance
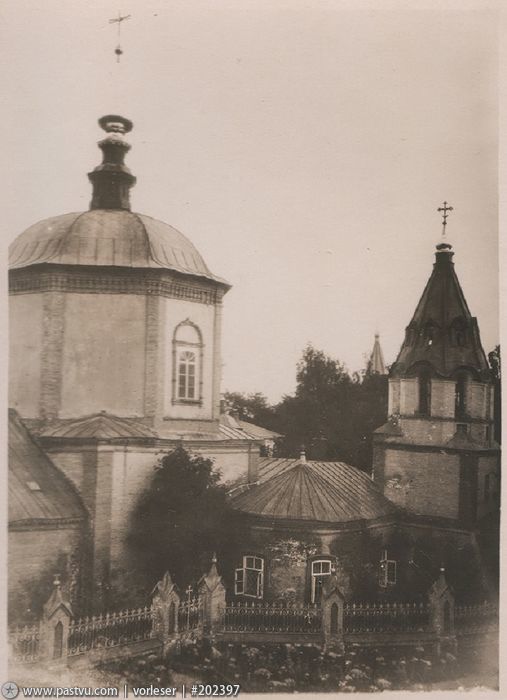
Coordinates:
10 690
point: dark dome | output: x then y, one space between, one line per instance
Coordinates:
109 237
331 492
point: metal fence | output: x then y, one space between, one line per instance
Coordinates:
385 617
274 617
190 614
24 643
475 618
111 629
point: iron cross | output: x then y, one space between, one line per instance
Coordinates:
445 209
118 20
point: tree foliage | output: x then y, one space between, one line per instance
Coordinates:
184 517
332 413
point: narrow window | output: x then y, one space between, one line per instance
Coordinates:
387 570
58 641
425 394
460 397
187 363
249 579
321 569
186 375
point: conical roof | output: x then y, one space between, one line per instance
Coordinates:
442 333
315 491
376 365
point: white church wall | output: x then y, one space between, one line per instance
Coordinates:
103 355
25 339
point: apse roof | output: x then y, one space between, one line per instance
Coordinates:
332 492
111 238
99 426
38 490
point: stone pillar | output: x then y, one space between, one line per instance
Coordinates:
332 602
441 606
54 626
166 603
212 593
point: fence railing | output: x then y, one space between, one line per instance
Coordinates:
24 641
274 617
109 630
385 617
190 614
472 618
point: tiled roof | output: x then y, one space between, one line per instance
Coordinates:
258 431
99 426
116 238
317 491
38 491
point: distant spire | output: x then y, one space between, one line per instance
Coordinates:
376 365
112 179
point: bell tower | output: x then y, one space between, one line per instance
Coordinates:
436 456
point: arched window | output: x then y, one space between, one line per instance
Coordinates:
187 363
447 617
58 641
460 407
334 618
424 393
172 618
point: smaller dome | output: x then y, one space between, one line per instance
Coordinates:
331 492
108 237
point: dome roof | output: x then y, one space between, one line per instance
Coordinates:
109 237
317 491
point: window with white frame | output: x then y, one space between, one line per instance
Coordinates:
387 570
187 363
321 569
249 578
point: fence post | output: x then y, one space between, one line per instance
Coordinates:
54 626
212 593
332 602
441 606
166 603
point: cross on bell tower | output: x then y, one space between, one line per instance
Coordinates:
445 209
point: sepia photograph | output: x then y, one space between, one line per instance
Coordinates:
252 346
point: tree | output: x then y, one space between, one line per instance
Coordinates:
253 408
332 413
180 520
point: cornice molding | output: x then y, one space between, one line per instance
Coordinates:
90 280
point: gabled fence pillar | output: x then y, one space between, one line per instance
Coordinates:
211 590
332 602
54 626
441 607
166 604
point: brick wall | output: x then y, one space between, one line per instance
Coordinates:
34 557
423 482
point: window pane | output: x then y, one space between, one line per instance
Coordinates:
391 572
252 582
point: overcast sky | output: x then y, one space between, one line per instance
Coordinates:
303 147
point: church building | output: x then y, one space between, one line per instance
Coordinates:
435 481
115 359
115 352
